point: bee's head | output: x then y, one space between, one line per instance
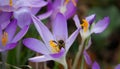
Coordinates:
61 44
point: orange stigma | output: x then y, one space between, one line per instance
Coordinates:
85 25
10 2
54 46
4 38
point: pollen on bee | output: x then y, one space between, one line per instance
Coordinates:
10 2
4 38
54 46
52 43
85 25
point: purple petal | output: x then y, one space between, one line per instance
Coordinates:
20 34
5 24
71 39
6 2
7 8
77 21
46 35
91 18
0 31
23 17
71 9
34 11
54 7
1 50
36 45
118 66
95 65
31 3
42 58
45 15
10 46
60 30
56 4
0 38
58 55
87 58
11 29
5 18
101 25
50 5
4 5
38 3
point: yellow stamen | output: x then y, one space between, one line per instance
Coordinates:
54 46
4 38
74 2
66 2
10 2
85 25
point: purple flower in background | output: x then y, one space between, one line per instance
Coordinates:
66 7
99 27
93 65
118 66
22 9
4 18
55 45
8 36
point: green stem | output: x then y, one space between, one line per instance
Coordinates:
18 53
63 62
65 65
4 55
82 63
79 53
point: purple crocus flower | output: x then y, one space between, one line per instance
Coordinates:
66 7
4 18
99 27
22 9
55 45
8 38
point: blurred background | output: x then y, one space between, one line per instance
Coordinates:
105 48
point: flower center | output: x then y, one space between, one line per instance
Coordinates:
85 25
10 2
4 38
56 46
63 9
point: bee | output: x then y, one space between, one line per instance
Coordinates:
61 44
57 45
